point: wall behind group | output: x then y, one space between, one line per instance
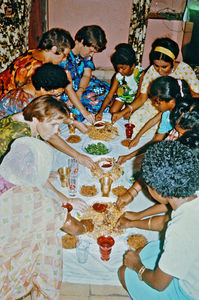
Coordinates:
112 15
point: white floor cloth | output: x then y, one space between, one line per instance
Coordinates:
96 271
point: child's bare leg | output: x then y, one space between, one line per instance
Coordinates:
127 115
116 107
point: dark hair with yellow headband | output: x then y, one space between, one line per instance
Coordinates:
164 49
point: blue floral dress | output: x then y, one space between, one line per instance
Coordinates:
96 91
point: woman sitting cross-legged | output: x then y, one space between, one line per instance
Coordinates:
90 90
31 218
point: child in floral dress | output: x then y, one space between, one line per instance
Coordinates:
126 81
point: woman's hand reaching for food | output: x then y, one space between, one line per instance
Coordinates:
134 142
86 161
82 127
122 223
116 116
123 200
88 225
78 204
90 117
122 159
98 117
131 215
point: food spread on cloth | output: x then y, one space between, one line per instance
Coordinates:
73 139
136 241
108 133
104 217
97 149
114 173
69 241
88 190
119 190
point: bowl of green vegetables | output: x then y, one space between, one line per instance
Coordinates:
96 147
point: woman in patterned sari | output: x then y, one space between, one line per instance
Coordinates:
31 218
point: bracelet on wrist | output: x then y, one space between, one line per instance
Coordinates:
149 223
133 189
131 108
141 271
130 195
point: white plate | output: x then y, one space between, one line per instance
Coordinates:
90 142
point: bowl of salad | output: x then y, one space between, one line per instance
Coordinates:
96 147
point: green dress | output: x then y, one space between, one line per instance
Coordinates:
9 131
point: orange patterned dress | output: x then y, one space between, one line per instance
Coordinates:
19 72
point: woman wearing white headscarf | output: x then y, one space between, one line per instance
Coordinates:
30 219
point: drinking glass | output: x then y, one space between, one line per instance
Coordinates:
105 245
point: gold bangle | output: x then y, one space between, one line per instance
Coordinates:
149 223
132 195
141 271
135 190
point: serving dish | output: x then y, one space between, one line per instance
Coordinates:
96 147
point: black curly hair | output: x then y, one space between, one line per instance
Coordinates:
123 55
191 140
171 168
49 77
186 113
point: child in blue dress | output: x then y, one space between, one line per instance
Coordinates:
126 81
79 66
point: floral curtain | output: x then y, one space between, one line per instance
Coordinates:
138 25
14 25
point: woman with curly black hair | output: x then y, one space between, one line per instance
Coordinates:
171 173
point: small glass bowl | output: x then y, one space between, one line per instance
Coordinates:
106 165
99 124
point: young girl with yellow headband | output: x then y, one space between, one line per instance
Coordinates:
163 62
